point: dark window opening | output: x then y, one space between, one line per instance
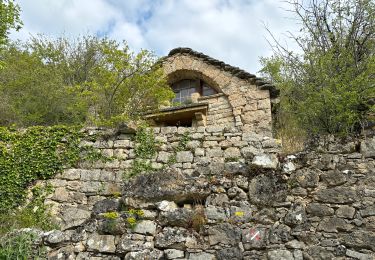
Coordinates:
184 122
184 88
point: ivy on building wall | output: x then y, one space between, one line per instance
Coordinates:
36 153
145 149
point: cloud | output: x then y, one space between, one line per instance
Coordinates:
232 31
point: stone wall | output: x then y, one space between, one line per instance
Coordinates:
228 195
249 106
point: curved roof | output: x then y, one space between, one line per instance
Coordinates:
235 71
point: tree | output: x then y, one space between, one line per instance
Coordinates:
328 85
47 82
9 19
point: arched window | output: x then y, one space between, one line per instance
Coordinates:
184 88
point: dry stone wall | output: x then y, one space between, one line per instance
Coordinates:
227 195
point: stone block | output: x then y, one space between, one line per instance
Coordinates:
130 242
122 144
339 195
173 253
345 212
90 175
101 243
73 217
163 157
266 161
368 148
201 256
199 152
224 233
167 206
232 152
184 156
264 104
280 254
145 227
214 152
71 174
320 210
144 254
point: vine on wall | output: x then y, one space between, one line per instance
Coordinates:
36 153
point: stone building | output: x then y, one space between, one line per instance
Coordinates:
210 92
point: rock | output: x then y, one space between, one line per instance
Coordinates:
306 178
73 217
201 256
163 157
333 178
370 223
368 211
266 161
295 216
223 233
298 255
265 189
112 226
232 153
279 233
237 193
219 200
367 148
101 243
339 195
357 255
215 213
359 239
334 224
145 227
345 212
153 254
167 206
289 167
229 253
130 242
174 238
254 238
318 252
63 253
167 184
180 217
242 182
106 205
214 152
295 244
299 191
54 237
184 156
173 253
280 255
319 210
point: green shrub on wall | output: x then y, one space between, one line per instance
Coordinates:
36 153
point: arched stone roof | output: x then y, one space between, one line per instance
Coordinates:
234 71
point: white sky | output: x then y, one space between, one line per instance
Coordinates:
229 30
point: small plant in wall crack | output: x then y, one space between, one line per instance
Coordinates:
145 149
133 216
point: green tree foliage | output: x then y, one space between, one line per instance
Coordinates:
328 85
47 82
9 19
